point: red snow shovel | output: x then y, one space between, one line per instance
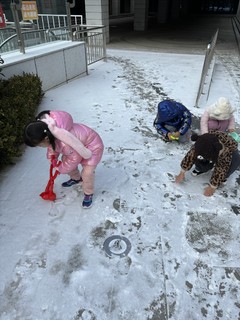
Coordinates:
48 194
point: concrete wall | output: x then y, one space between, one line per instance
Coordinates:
54 63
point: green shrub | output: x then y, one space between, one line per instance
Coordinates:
19 100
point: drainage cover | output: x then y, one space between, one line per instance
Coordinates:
117 245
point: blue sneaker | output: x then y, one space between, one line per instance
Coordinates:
70 183
87 201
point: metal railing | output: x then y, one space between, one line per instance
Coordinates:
93 36
6 33
58 25
206 66
95 40
47 21
34 37
50 28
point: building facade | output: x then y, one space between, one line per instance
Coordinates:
163 8
99 12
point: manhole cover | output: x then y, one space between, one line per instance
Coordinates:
117 245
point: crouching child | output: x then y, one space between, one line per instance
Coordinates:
215 150
173 121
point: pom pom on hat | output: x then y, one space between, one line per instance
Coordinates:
221 109
207 146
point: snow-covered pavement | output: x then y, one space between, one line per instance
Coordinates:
184 254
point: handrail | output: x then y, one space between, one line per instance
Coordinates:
207 61
84 28
49 31
236 30
7 40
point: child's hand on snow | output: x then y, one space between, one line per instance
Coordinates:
179 178
209 191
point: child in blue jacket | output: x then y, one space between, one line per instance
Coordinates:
173 121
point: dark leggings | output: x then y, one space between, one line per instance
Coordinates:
205 165
234 164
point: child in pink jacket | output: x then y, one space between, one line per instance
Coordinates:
77 143
219 116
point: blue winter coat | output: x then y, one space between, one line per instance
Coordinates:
173 114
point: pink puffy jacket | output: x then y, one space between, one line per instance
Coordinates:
88 137
207 123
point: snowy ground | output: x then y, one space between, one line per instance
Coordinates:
184 257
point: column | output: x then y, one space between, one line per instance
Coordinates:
97 13
163 11
175 9
140 15
238 10
115 7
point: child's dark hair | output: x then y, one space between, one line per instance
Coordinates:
35 132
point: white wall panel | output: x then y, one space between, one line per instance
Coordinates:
74 66
51 69
54 63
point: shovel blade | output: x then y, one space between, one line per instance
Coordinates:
48 196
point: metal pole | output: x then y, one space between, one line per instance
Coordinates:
14 9
69 5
